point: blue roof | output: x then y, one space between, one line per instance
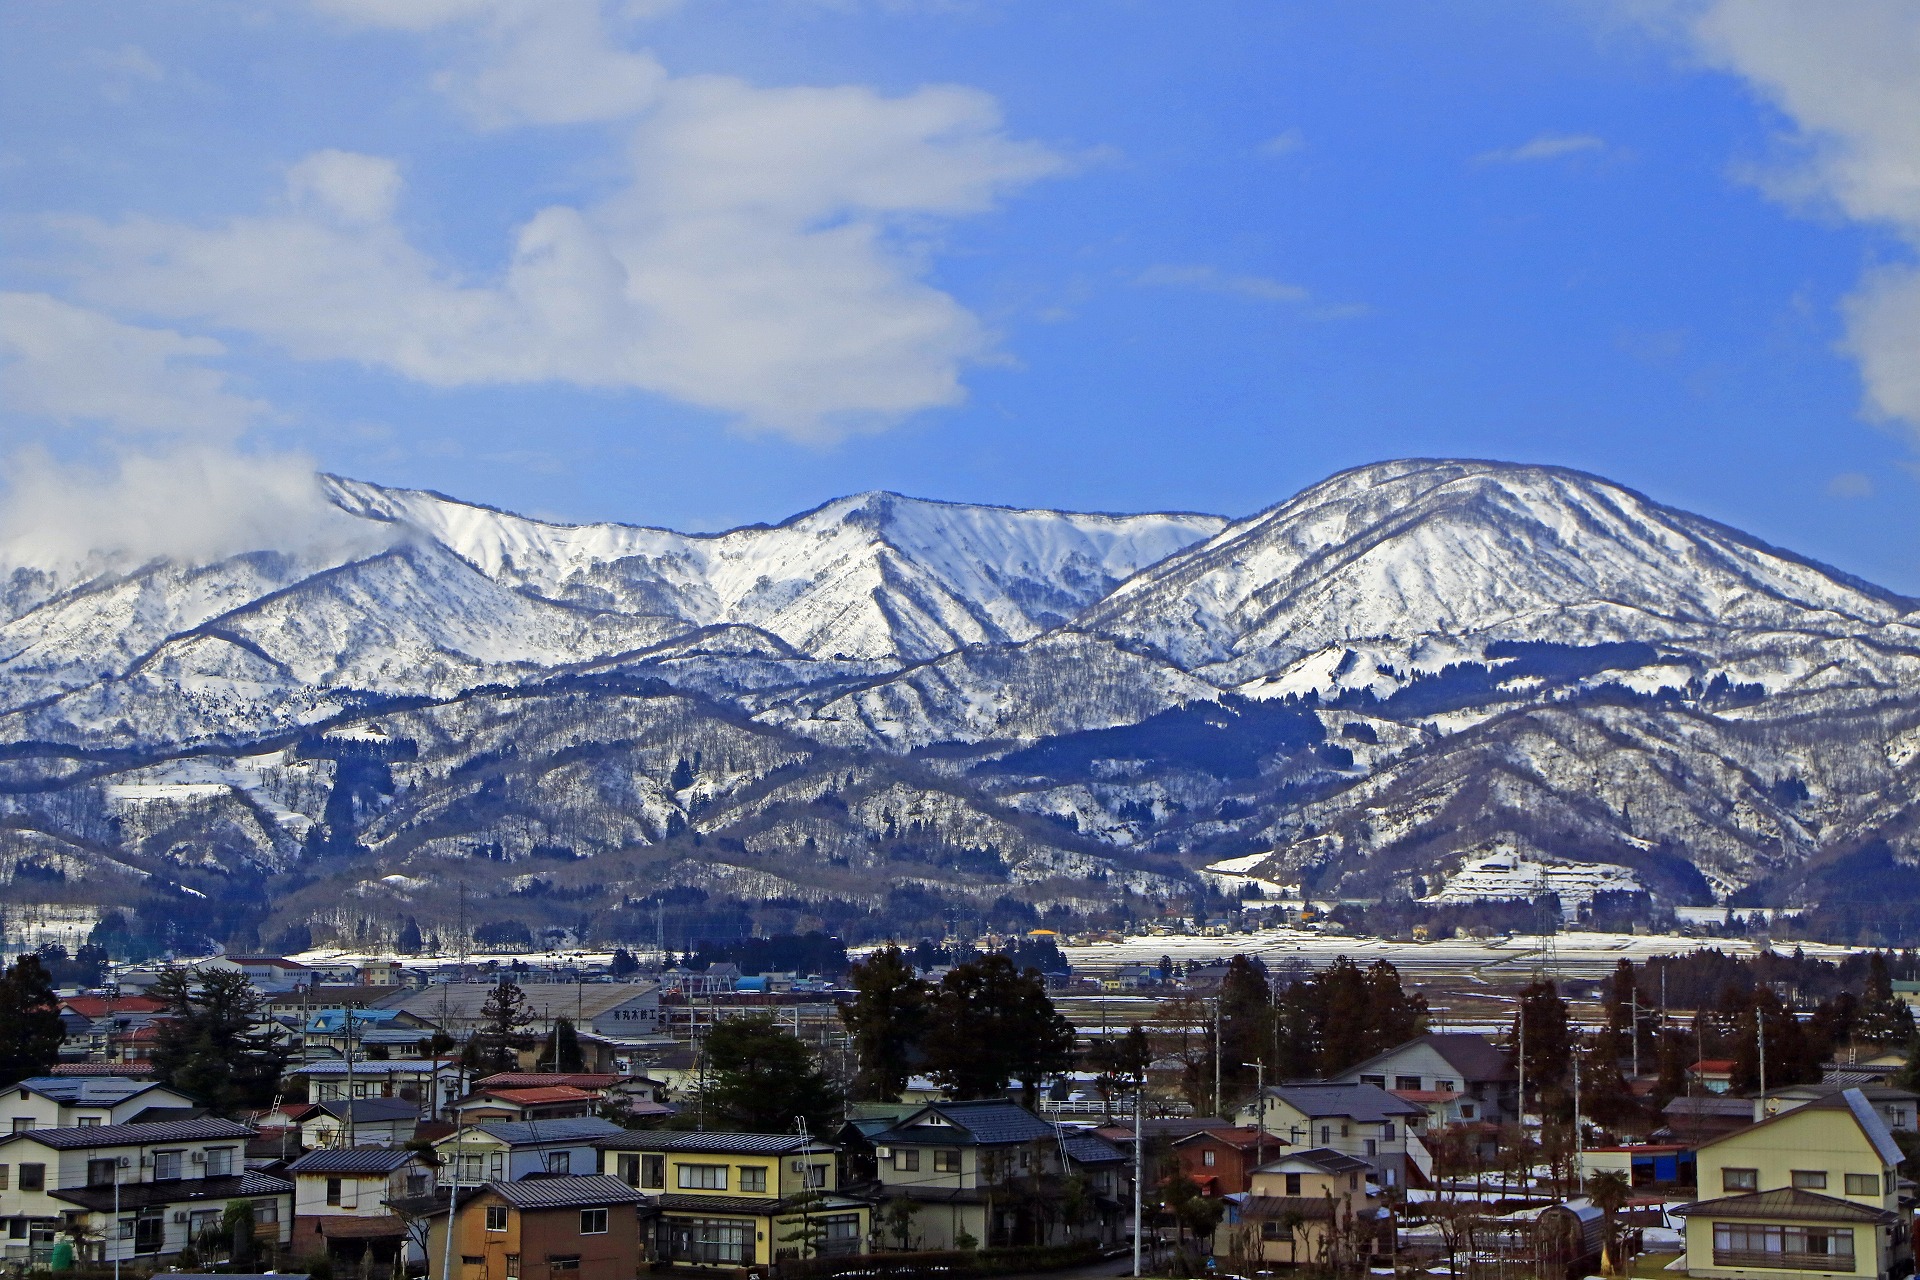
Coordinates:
987 1122
333 1020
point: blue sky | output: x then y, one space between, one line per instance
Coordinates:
713 262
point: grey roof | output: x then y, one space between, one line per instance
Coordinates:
375 1067
1088 1148
746 1144
1711 1104
352 1160
987 1122
129 1196
1788 1203
1826 1088
1325 1159
528 1133
372 1110
566 1192
1474 1057
1872 1125
131 1135
1367 1103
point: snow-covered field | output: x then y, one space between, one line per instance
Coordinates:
1573 955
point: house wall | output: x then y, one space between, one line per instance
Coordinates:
1826 1140
1426 1063
1364 1140
1868 1252
534 1237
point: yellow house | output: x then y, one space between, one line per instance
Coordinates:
737 1199
1307 1207
1807 1191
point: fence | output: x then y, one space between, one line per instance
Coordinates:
939 1264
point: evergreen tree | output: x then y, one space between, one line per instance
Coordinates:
30 1030
991 1025
410 940
1246 1019
562 1051
888 1019
760 1079
215 1041
1549 1044
623 964
504 1020
1883 1020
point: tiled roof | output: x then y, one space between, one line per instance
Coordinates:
143 1195
344 1226
533 1132
1307 1207
987 1122
1367 1103
740 1144
352 1160
673 1202
129 1135
101 1006
565 1193
85 1089
535 1079
375 1067
1242 1138
127 1070
1089 1148
1326 1159
534 1097
1786 1203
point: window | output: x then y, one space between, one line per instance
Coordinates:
1386 1132
753 1177
1371 1148
89 1122
1346 1130
5 1179
496 1217
22 1124
1353 1182
1739 1179
1896 1117
166 1164
1326 1133
497 1165
1466 1111
710 1240
266 1213
333 1192
1737 1244
1406 1082
653 1171
1378 1082
703 1177
1863 1184
1444 1086
1206 1158
817 1177
906 1160
102 1173
560 1162
593 1222
1809 1179
1293 1184
469 1168
946 1162
219 1162
513 1266
627 1169
567 1265
1270 1230
33 1177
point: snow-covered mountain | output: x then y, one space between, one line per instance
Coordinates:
887 710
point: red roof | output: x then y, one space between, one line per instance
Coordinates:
542 1079
1242 1138
1425 1095
534 1097
1713 1067
102 1006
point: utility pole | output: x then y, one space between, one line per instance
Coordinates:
347 1120
1579 1139
1760 1030
1216 1057
1139 1162
453 1196
1521 1060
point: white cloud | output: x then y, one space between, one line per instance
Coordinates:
1213 280
1844 75
1547 146
1850 485
525 61
192 504
764 259
79 367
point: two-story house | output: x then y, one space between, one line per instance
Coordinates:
1307 1207
430 1083
993 1173
1458 1077
581 1227
1899 1108
531 1102
131 1190
1354 1118
73 1102
364 1122
738 1199
88 1023
1806 1190
1221 1161
343 1205
510 1150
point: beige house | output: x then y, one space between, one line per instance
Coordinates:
1351 1117
1807 1191
1306 1208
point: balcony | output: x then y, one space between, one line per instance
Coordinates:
1833 1263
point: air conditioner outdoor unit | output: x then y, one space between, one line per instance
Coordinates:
885 1153
179 1215
199 1157
799 1166
124 1162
